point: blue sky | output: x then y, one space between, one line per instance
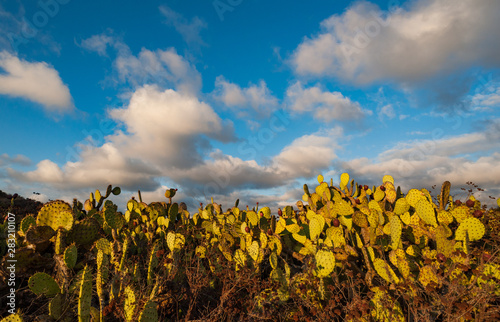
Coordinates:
247 99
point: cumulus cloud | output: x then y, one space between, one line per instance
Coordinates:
190 30
161 132
364 44
325 106
34 81
257 97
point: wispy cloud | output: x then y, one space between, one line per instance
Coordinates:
189 29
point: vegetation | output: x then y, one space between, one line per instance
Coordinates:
349 253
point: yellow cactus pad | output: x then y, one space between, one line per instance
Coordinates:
425 211
473 226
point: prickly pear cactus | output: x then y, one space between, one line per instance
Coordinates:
85 295
149 313
42 283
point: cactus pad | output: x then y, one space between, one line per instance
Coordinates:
401 206
325 263
70 256
85 232
149 313
85 295
26 223
385 271
42 283
473 227
55 214
396 229
175 241
427 275
425 211
129 304
253 250
413 197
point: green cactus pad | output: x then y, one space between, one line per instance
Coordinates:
149 313
425 211
104 245
473 227
102 271
70 256
42 283
325 263
26 223
85 232
85 295
39 234
56 306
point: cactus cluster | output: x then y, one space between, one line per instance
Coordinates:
398 246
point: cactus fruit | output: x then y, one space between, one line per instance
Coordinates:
42 283
470 203
149 312
325 263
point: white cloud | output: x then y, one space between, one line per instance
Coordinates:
37 82
423 163
309 154
190 30
364 44
387 111
98 43
163 132
325 106
258 97
164 68
5 159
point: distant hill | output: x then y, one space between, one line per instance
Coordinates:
22 206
